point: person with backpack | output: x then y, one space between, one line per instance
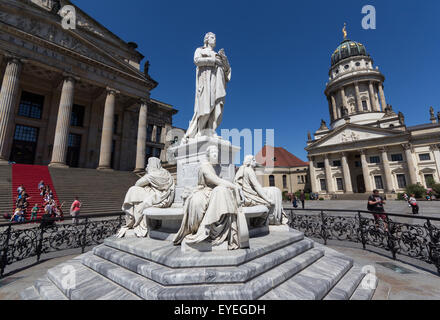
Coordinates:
413 202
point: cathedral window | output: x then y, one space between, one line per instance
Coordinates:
31 105
425 157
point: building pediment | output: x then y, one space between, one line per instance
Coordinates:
351 133
38 22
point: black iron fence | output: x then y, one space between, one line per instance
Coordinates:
20 241
419 238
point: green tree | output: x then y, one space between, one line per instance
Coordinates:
416 189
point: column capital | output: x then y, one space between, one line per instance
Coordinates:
383 149
14 59
407 146
69 76
434 147
344 154
363 151
311 158
143 101
112 91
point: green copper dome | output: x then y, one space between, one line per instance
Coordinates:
347 49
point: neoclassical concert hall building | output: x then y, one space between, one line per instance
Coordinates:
368 145
74 97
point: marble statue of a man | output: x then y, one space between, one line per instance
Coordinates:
254 194
155 189
212 75
213 211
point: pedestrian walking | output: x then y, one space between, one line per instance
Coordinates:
376 204
302 198
414 205
75 210
294 201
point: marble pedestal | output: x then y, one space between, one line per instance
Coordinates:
283 265
190 156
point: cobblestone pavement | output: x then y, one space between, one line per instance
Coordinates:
419 285
427 208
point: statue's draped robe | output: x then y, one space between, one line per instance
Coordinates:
211 213
155 189
254 195
211 82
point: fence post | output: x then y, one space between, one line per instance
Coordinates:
39 247
390 239
361 227
4 261
323 227
434 251
84 238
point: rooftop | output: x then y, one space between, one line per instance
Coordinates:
280 157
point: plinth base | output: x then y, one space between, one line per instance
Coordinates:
282 265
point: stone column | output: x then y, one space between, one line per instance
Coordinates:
330 111
373 101
366 172
387 170
411 166
358 97
8 97
346 172
382 96
328 175
105 156
141 138
334 107
163 140
312 174
63 124
153 134
435 149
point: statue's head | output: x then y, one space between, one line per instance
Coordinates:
210 39
212 154
250 161
154 164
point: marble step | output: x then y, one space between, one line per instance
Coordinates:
47 290
312 283
345 288
362 293
88 285
30 294
164 253
253 289
169 276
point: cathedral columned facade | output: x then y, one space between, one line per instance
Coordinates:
367 145
74 97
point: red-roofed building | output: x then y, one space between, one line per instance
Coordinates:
279 168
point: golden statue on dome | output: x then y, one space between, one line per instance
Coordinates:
344 31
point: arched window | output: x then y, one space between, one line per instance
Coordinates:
272 181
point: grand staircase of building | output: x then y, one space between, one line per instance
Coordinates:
29 176
5 191
99 192
353 196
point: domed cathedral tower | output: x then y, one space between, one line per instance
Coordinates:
355 89
367 145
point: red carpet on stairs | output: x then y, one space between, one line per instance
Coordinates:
30 176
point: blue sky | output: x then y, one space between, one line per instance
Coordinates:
280 55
